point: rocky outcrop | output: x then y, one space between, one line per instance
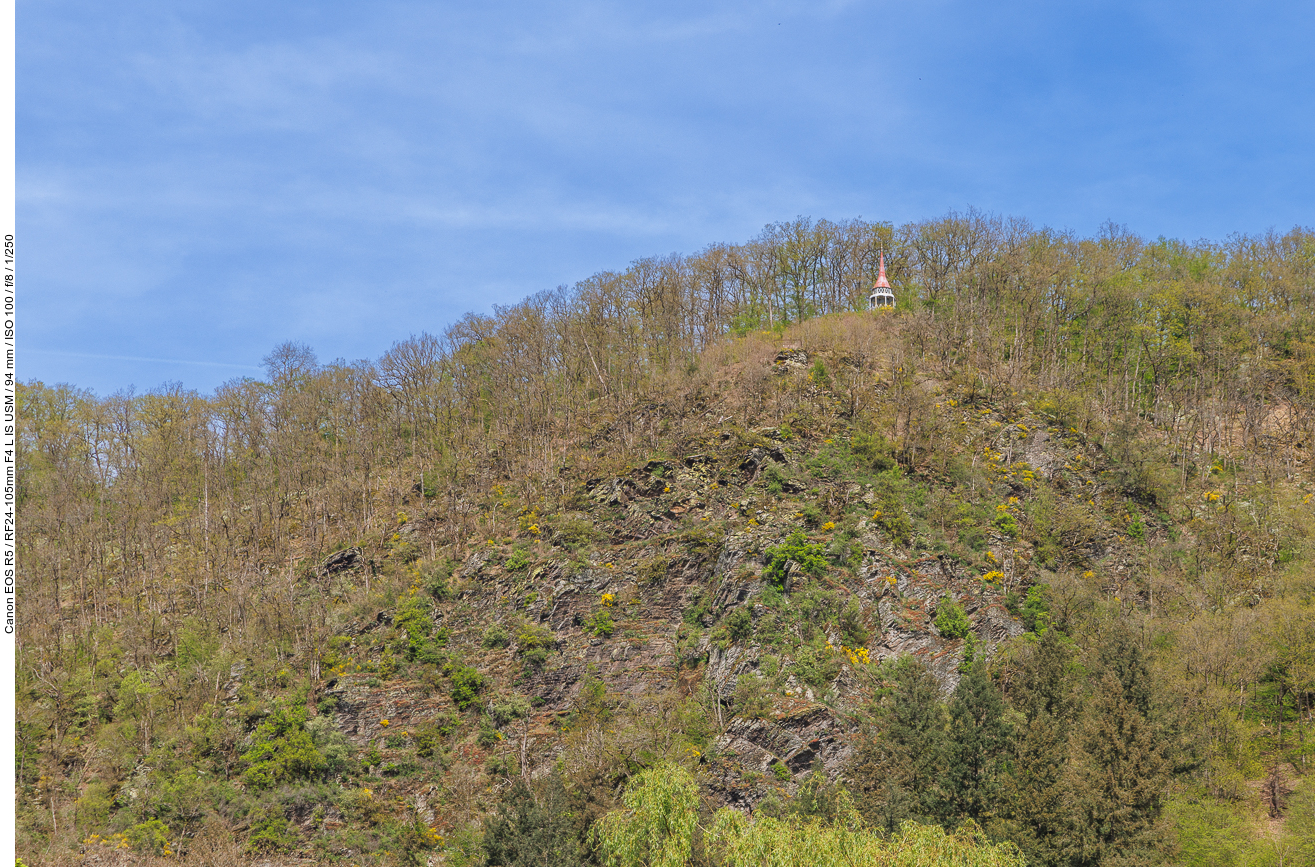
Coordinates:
341 561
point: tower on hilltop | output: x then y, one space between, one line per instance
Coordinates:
881 295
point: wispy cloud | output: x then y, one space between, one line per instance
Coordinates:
215 178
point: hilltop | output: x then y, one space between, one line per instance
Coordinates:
1023 557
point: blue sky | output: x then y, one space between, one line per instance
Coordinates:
199 182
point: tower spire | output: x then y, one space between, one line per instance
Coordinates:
881 296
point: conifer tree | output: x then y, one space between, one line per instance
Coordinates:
530 830
1044 683
1114 784
1122 656
898 764
974 743
1033 798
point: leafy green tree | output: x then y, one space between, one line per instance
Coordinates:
1301 823
1209 834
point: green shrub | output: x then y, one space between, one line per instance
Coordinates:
1007 524
435 577
519 559
428 737
600 623
896 525
534 637
812 611
150 836
817 665
797 549
1136 526
421 642
184 798
508 708
687 644
951 622
467 684
700 607
331 743
495 636
654 570
819 376
402 550
534 644
845 552
1035 610
895 495
573 533
853 631
271 831
874 450
94 804
403 768
282 750
488 735
738 624
413 840
780 771
750 699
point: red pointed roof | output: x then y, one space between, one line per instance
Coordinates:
882 282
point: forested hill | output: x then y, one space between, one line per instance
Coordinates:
701 561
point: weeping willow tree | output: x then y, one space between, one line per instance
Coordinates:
655 828
657 824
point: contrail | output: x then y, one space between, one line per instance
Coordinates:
139 358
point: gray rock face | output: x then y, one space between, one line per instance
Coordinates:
725 667
796 741
788 360
802 740
341 561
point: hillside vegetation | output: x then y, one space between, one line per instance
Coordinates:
701 563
